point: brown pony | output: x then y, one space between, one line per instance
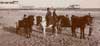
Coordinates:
38 20
27 24
62 21
65 22
80 22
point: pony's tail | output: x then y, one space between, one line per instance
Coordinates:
16 25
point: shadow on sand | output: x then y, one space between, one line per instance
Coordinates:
13 30
10 29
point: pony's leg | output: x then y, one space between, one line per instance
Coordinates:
83 35
75 33
59 29
83 28
82 32
90 31
53 29
30 31
47 23
73 30
27 32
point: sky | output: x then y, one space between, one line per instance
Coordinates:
59 3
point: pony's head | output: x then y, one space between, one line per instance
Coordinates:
89 19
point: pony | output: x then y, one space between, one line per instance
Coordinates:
38 20
80 22
26 24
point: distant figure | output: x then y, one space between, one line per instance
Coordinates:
89 13
90 30
67 22
54 12
48 15
91 25
55 19
25 16
55 16
48 12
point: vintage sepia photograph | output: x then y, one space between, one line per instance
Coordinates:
49 22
